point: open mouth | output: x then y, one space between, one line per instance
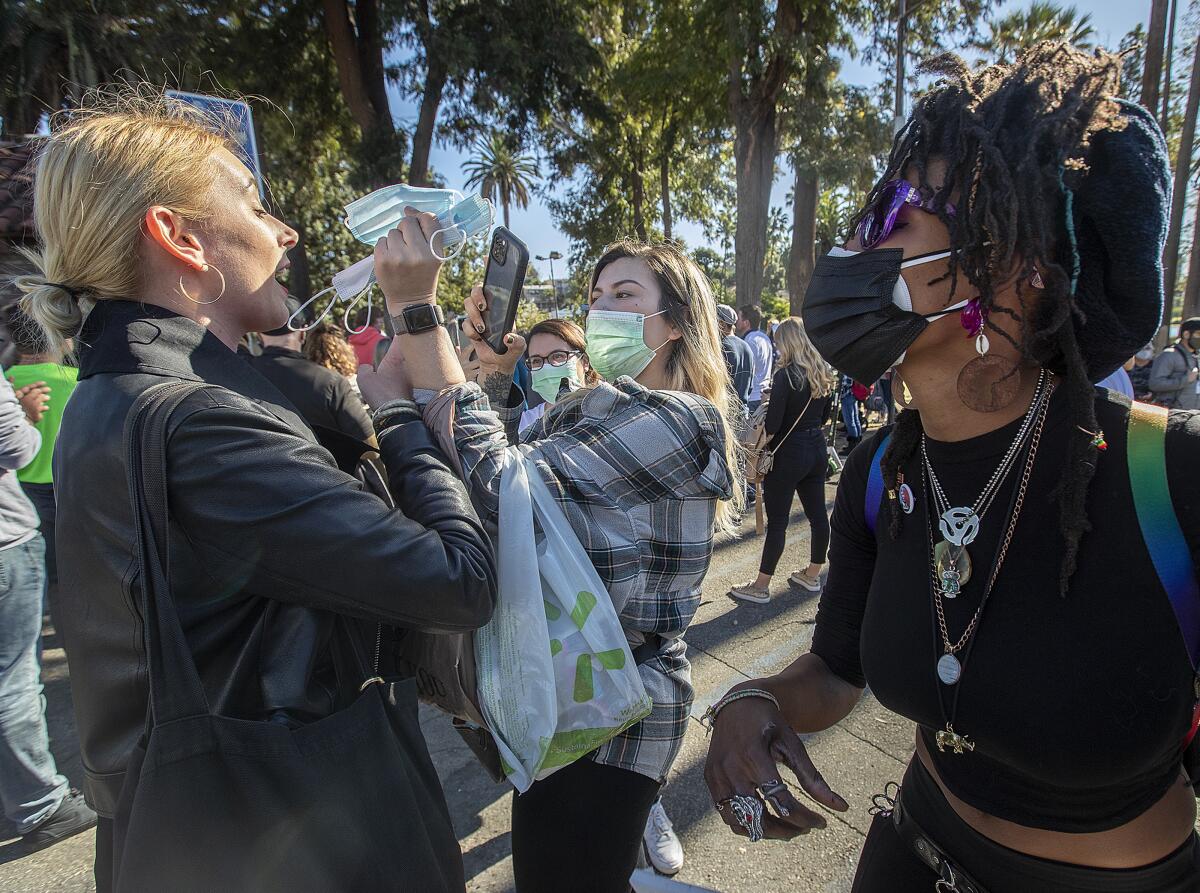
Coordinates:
281 273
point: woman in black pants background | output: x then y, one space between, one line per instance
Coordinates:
801 395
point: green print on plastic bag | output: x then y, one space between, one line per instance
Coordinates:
555 647
584 604
584 690
553 612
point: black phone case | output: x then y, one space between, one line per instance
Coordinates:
512 269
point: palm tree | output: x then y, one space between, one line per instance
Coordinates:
501 172
1023 28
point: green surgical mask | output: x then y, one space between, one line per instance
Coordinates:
547 381
616 345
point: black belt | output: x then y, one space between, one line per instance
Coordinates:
951 878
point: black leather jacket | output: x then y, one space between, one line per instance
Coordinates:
267 537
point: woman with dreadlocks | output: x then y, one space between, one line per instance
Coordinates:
1009 566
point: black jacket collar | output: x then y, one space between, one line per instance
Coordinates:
131 337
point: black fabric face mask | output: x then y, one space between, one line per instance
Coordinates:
858 312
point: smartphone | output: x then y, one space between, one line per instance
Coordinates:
507 261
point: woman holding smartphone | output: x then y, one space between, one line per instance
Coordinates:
644 468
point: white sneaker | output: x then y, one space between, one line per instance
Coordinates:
804 581
751 593
662 846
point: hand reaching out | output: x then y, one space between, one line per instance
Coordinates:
34 399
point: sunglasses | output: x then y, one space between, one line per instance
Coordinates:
880 218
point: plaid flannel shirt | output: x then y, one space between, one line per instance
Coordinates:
638 474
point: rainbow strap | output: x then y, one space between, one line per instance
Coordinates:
875 484
1146 451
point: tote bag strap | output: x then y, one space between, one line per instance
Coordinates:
776 446
1169 552
175 688
874 491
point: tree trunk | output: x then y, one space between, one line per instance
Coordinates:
636 187
344 43
370 54
1191 294
754 150
664 173
504 205
1179 193
431 100
1168 68
1152 73
803 257
753 109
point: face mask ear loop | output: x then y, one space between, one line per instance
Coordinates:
461 243
366 292
316 322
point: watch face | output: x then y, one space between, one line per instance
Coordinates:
420 317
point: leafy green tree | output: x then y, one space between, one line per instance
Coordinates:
515 61
501 172
769 46
1010 35
656 149
359 34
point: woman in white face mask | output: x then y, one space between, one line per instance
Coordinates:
645 466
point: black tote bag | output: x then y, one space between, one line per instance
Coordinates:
350 802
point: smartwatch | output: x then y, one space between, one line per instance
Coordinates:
417 318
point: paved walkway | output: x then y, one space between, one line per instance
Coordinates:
728 642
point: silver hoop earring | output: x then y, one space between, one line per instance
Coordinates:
205 269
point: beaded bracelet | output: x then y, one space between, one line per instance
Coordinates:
709 719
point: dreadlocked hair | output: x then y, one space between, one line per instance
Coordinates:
1014 140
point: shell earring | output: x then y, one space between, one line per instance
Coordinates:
204 269
987 383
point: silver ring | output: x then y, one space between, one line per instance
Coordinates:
748 812
770 792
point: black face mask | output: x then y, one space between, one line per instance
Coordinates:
858 312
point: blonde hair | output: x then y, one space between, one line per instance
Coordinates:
327 346
97 173
795 349
696 364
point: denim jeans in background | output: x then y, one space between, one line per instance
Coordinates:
42 497
30 785
851 418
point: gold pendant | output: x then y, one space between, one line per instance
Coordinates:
948 557
947 737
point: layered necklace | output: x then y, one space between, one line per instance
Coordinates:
950 563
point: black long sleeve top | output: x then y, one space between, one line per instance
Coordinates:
790 401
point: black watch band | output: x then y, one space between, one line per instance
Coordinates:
417 318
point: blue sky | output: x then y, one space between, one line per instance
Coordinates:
1112 19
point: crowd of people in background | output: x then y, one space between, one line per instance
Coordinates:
317 489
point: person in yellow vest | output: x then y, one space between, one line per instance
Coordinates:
34 365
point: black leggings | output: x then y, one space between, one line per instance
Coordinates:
580 829
889 865
799 469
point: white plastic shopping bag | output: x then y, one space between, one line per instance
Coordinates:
579 673
515 674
